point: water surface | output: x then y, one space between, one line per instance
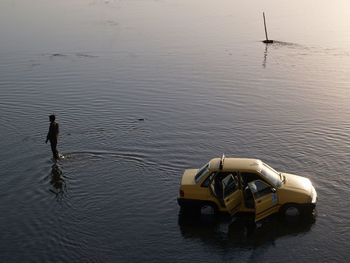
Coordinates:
145 89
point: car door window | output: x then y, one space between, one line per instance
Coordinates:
223 183
259 188
247 177
229 184
208 180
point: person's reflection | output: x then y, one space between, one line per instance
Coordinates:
57 180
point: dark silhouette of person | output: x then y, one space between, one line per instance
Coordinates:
52 136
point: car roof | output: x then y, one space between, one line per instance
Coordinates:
230 164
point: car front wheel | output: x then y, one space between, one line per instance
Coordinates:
291 211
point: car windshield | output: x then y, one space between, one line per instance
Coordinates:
271 175
202 172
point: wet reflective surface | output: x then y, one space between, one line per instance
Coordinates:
145 89
241 232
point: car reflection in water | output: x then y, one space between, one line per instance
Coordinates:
241 231
57 181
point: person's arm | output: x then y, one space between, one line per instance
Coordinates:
48 134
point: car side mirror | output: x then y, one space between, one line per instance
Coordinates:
273 190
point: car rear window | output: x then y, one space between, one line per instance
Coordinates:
202 172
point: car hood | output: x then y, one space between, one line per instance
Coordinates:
296 183
188 177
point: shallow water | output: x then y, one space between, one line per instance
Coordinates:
145 89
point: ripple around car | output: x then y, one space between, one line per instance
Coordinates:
234 185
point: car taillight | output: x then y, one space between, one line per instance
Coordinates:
182 193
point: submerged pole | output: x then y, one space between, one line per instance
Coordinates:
267 39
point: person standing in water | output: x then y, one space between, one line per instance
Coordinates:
52 136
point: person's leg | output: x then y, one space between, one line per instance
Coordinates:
54 149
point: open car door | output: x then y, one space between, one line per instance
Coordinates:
265 198
232 194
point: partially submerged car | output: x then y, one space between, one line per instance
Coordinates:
245 185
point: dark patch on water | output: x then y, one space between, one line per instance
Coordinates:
224 231
85 55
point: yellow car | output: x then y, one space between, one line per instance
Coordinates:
245 185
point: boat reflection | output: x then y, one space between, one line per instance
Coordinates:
242 231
